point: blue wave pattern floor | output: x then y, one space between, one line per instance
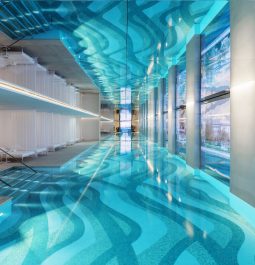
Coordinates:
125 202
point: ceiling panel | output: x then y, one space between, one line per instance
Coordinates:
117 43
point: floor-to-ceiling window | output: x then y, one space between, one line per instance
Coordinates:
181 108
215 103
125 110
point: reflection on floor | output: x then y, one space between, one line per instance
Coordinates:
125 201
52 159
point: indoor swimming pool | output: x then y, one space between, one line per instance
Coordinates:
124 201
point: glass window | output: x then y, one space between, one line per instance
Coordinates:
181 132
165 115
125 143
215 57
181 83
125 96
156 128
181 108
215 136
125 119
215 113
125 110
156 100
165 97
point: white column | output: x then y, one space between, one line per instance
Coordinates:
193 151
171 109
91 126
151 116
242 99
146 118
160 112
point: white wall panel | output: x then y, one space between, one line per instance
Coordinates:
90 129
29 130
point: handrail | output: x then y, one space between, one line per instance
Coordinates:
20 161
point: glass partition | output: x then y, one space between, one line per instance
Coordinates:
181 108
215 97
125 120
181 132
181 83
215 56
125 109
165 128
216 137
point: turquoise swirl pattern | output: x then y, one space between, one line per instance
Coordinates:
125 202
116 43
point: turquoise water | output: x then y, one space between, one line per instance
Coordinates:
125 202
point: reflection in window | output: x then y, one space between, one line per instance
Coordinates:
165 132
216 67
215 137
181 87
165 97
215 57
125 143
156 100
125 96
125 109
156 128
125 119
215 107
181 132
181 108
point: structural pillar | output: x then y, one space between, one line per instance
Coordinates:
171 109
151 115
193 150
160 112
146 118
90 127
242 98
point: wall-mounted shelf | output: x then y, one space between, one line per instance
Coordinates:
16 97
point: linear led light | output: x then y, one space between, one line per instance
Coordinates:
106 119
29 93
103 119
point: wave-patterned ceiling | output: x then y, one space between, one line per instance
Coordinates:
117 43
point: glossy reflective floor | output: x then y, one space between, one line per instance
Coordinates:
125 202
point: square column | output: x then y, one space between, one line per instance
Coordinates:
151 116
90 127
171 109
155 114
146 118
193 150
242 99
160 112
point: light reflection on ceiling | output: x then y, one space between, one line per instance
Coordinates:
117 43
